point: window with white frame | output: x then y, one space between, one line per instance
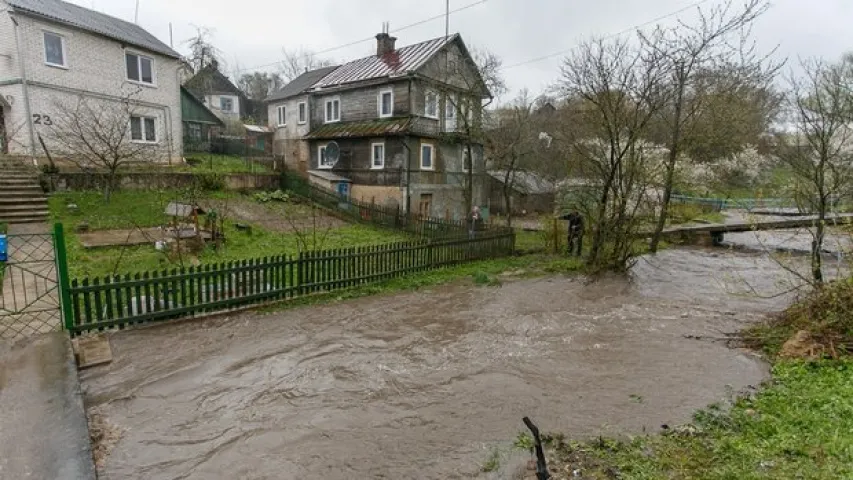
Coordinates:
427 157
281 114
322 161
226 104
54 50
303 112
139 68
143 129
333 110
378 156
431 104
386 103
450 107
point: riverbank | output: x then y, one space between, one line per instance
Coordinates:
800 425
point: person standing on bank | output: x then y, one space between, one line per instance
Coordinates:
574 239
473 221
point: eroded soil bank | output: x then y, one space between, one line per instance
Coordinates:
422 384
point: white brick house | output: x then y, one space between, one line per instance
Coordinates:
53 53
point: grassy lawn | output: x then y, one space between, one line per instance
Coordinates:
144 209
217 163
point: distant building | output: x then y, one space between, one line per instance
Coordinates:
200 125
219 94
530 192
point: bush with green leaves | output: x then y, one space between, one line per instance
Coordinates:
274 196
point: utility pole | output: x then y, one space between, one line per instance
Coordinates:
136 15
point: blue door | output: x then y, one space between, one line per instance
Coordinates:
343 189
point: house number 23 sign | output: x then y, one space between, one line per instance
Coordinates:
39 119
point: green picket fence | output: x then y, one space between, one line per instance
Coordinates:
120 301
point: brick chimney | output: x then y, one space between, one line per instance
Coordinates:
384 42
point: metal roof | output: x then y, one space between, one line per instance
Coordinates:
398 62
327 175
257 128
364 128
300 84
112 27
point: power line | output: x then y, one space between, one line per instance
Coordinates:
612 35
368 39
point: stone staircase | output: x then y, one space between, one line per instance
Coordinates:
22 199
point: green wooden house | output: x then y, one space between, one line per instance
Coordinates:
199 123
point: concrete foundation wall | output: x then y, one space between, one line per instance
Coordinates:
153 181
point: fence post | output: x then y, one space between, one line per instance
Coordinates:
61 259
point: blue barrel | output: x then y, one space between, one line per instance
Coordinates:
4 256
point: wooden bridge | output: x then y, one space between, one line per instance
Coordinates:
717 230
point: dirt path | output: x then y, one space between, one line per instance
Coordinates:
423 384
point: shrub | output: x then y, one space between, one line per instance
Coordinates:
274 196
211 182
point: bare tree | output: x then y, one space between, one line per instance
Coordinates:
820 149
511 143
464 89
615 88
101 136
202 50
688 51
297 62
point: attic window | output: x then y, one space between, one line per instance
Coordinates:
226 104
139 68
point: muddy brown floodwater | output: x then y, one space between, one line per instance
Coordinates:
422 384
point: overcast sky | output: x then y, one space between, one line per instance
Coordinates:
252 33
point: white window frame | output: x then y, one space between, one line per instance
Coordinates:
373 165
320 164
139 56
431 156
281 115
228 98
302 113
434 94
142 130
62 42
326 110
382 93
450 107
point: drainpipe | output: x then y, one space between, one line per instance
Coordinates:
26 90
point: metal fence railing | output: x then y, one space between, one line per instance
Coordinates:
120 301
396 218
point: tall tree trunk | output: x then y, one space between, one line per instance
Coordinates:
469 180
664 207
817 243
674 147
597 236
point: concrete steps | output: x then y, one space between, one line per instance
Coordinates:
22 199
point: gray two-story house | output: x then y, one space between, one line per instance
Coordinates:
402 123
